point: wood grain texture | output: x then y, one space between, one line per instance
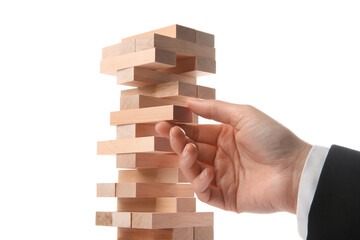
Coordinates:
136 130
193 66
155 234
171 220
151 115
113 219
151 58
173 31
205 92
204 233
119 49
147 160
206 39
132 145
179 46
172 90
140 77
152 175
133 190
156 204
141 101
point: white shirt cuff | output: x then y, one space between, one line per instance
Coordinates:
308 184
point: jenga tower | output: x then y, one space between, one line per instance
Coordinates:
154 200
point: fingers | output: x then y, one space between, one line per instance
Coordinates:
207 133
213 109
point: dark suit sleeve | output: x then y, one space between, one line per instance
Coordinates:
335 210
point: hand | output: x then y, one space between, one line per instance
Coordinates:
249 163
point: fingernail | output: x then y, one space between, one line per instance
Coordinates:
183 131
203 174
185 153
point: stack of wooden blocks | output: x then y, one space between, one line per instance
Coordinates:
154 200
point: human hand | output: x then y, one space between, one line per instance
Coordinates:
249 163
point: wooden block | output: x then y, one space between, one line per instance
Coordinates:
172 90
173 31
151 115
147 160
113 219
106 190
136 130
179 46
156 204
119 49
140 77
205 92
193 66
151 58
155 234
204 233
171 220
134 190
132 145
141 101
152 175
206 39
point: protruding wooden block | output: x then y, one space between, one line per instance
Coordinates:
134 190
204 233
179 46
140 77
141 101
147 160
132 145
206 39
106 190
174 31
156 204
151 115
205 92
151 58
119 49
152 175
171 220
155 234
172 90
113 219
193 66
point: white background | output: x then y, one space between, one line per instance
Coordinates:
298 61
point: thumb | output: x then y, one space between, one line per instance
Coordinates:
217 110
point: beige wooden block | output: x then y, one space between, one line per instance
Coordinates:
147 160
134 190
140 77
204 233
119 49
151 58
206 39
172 90
106 190
156 204
205 92
179 46
171 220
132 145
155 234
193 66
141 101
113 219
152 175
173 31
136 130
151 115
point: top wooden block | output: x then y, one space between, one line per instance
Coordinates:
181 32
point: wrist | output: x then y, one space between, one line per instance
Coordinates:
296 171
